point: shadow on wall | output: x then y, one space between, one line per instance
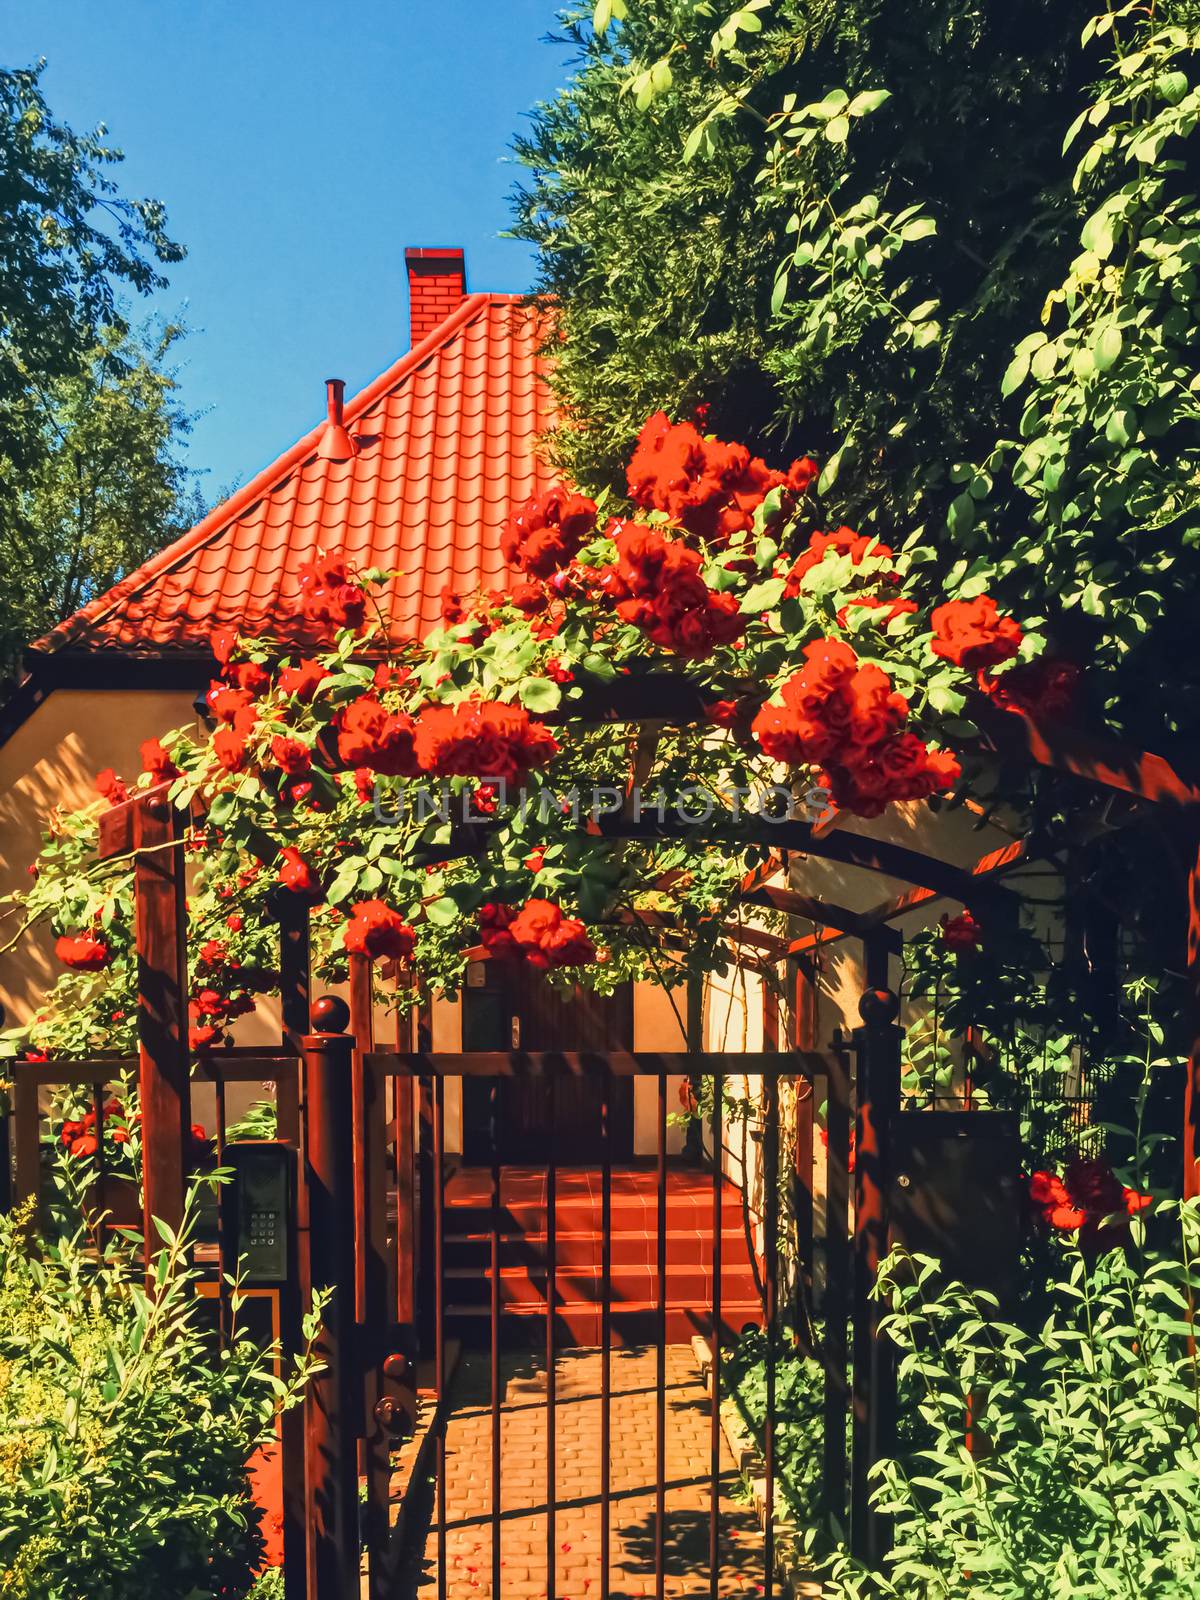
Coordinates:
52 760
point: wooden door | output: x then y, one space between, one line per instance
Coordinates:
516 1007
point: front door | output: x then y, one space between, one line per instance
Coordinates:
514 1006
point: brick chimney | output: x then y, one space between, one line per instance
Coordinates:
437 283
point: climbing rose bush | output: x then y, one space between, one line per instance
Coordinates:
470 793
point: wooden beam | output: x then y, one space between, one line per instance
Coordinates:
164 1086
994 862
1093 757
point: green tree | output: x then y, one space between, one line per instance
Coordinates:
676 172
105 488
89 479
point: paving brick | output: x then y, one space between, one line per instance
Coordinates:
523 1486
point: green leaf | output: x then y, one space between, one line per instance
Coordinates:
960 518
1107 346
944 697
867 101
918 228
1172 86
443 913
1121 426
1014 374
1097 235
539 694
837 130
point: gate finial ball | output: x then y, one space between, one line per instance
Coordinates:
330 1014
878 1006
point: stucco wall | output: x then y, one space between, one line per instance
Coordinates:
52 760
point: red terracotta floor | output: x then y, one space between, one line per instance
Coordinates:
577 1482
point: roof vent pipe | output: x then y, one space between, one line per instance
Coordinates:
336 444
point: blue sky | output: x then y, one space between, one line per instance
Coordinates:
299 146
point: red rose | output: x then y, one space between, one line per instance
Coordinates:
481 739
530 598
157 762
292 756
973 634
494 922
547 938
303 680
364 785
229 747
111 788
327 596
375 930
83 952
224 643
961 934
248 675
548 530
370 736
235 707
234 922
887 609
296 874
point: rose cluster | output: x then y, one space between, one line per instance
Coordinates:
538 931
78 1136
371 736
328 597
845 718
547 531
657 585
1088 1198
841 542
481 738
709 486
374 929
973 634
83 952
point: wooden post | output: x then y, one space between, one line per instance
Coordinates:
292 913
427 1176
406 1213
370 1272
330 1400
160 933
877 1044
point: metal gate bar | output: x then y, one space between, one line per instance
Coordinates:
769 1066
551 1395
606 1335
494 1243
439 1317
714 1500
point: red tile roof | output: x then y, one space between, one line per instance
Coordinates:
446 448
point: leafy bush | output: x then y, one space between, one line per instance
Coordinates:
124 1434
1084 1480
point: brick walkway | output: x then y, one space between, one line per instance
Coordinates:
523 1485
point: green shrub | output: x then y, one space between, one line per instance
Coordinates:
1086 1478
124 1432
